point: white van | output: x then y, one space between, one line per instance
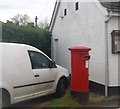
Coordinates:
26 73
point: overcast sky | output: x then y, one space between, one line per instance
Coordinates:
40 8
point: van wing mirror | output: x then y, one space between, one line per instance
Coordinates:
52 64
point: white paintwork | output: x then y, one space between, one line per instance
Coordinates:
113 58
85 27
17 71
0 66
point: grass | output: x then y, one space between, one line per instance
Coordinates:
66 101
70 101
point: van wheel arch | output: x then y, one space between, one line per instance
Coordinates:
5 97
62 85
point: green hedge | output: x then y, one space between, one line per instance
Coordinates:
39 38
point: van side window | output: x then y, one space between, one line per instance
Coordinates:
38 60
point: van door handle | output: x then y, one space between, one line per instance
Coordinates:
37 76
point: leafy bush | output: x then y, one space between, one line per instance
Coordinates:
39 38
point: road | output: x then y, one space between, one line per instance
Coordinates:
45 101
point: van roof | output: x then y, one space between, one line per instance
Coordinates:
16 44
21 46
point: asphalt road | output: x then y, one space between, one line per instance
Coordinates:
45 101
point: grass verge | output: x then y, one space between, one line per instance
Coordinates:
70 101
66 101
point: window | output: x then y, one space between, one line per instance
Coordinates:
38 60
76 6
65 12
115 41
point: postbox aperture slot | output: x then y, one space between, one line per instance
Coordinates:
87 57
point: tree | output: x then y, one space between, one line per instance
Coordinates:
21 19
25 19
44 24
16 19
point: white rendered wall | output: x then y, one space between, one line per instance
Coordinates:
113 58
83 27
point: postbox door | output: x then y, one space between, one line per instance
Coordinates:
84 81
79 78
86 75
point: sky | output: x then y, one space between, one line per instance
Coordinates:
41 8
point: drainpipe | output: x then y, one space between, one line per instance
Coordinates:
52 49
106 55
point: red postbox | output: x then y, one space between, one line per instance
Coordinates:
79 68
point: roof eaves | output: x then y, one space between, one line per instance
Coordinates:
54 15
111 6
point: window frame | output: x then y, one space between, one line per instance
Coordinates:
32 66
115 41
76 6
65 12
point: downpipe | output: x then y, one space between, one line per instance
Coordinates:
106 56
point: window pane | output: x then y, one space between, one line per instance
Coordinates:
38 60
65 12
76 6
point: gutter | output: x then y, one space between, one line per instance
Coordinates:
54 15
106 55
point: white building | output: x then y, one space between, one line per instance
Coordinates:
94 24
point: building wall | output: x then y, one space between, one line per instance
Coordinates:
83 27
113 58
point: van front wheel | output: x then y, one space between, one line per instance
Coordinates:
0 99
4 98
61 88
